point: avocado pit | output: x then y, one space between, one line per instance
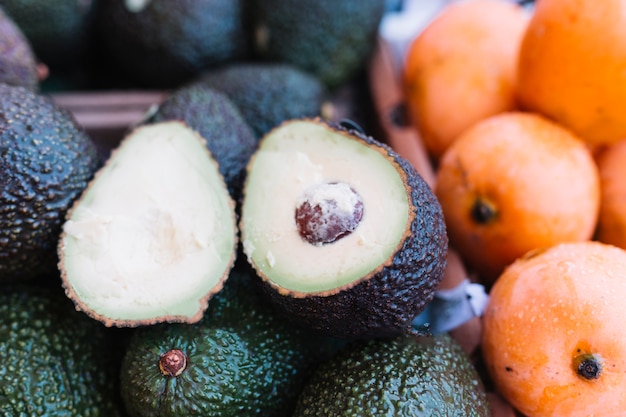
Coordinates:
327 212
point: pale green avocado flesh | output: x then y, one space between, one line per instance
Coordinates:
154 235
305 161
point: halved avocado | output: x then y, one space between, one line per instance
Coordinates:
154 235
349 239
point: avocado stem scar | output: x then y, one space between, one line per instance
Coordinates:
173 362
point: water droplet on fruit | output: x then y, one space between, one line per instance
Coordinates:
327 212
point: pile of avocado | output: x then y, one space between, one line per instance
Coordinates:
162 44
240 252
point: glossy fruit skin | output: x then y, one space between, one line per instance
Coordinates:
546 309
243 359
512 183
405 376
55 360
46 161
612 218
571 67
461 69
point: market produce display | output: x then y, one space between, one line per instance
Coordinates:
298 208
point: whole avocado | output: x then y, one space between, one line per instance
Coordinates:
330 39
162 43
18 64
55 360
242 359
409 376
268 93
212 114
46 161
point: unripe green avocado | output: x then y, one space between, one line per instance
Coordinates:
409 376
241 360
55 361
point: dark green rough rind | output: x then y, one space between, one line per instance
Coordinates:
46 161
331 39
55 361
228 136
385 303
18 65
244 360
268 93
425 376
166 43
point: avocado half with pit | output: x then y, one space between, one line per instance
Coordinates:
154 235
348 238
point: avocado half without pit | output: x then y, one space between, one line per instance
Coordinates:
348 239
154 235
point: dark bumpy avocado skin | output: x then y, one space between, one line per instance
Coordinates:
46 161
243 360
212 114
55 361
408 376
268 93
386 303
331 39
18 65
168 42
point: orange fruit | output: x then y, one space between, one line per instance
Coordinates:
554 340
612 218
515 182
572 67
461 68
